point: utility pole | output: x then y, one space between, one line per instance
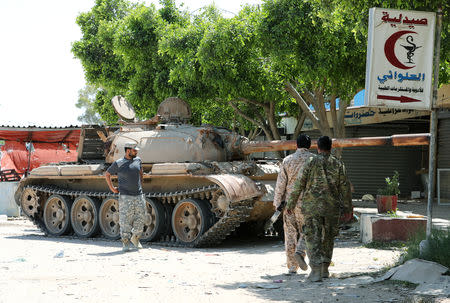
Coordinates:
433 132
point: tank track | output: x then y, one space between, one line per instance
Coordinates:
236 213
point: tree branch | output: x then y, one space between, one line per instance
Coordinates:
255 122
248 101
301 102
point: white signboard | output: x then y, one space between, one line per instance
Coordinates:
399 59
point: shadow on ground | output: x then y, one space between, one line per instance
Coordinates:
296 288
236 243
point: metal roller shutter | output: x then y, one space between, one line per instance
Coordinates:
367 167
443 156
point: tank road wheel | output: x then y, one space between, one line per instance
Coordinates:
84 216
57 215
190 219
109 218
155 220
29 202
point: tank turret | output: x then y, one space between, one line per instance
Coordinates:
168 137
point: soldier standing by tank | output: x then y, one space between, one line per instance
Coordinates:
131 199
325 190
292 219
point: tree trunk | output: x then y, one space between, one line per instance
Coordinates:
318 117
340 127
298 128
270 130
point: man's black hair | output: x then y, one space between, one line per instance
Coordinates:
126 148
324 143
303 141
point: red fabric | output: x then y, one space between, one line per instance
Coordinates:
14 155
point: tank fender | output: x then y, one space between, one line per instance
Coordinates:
237 187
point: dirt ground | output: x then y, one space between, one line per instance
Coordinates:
36 268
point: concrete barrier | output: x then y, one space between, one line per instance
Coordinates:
384 228
7 204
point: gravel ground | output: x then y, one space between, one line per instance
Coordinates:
36 268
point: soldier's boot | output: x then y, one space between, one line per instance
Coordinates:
125 245
316 273
325 272
135 240
292 271
301 261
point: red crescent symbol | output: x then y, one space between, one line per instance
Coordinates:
389 49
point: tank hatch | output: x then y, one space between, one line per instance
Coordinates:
123 108
174 109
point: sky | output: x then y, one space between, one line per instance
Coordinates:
39 76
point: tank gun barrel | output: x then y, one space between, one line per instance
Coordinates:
394 140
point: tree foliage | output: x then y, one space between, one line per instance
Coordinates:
318 60
356 15
241 72
86 101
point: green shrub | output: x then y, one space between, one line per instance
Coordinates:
392 186
439 247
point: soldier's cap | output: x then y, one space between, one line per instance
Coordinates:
131 145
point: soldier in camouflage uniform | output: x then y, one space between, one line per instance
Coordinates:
325 192
132 207
292 220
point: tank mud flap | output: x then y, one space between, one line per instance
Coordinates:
237 187
242 192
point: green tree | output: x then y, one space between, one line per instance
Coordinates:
319 61
119 52
86 101
103 67
220 61
355 15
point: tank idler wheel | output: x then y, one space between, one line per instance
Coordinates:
109 218
57 215
155 220
191 218
84 216
29 202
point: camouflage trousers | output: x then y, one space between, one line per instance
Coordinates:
293 238
319 237
131 215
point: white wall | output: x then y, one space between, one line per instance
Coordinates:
7 204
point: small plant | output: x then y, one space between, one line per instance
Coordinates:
393 213
392 186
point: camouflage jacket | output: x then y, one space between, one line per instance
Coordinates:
323 186
288 174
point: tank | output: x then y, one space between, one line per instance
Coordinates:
199 182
